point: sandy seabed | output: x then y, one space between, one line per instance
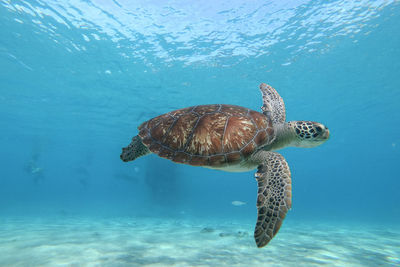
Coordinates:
168 242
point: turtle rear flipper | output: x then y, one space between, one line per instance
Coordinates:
135 150
274 195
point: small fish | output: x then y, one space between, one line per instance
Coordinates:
36 170
238 203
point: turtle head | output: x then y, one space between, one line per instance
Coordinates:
308 133
299 134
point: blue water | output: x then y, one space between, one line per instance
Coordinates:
77 78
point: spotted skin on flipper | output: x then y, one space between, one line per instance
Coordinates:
273 104
274 197
135 150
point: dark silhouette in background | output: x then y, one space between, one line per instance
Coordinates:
33 168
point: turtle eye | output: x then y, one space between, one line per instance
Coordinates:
318 128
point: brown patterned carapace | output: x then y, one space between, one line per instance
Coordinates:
207 135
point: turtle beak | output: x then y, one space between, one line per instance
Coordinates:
327 133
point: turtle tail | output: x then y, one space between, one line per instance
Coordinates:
135 150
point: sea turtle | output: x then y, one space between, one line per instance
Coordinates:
234 139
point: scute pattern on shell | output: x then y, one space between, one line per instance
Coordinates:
207 135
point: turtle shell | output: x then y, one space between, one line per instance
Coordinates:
207 135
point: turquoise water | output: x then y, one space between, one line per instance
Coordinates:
77 78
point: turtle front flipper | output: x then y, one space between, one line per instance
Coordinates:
274 194
273 104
